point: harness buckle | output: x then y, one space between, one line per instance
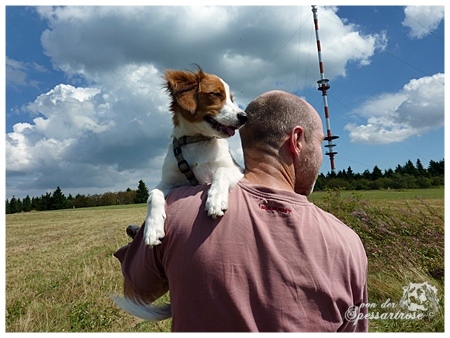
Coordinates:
184 166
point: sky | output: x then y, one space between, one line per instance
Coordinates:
86 109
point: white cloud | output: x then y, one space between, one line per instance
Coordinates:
113 132
422 20
416 109
94 137
93 41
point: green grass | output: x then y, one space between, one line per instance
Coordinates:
390 198
381 196
60 270
404 240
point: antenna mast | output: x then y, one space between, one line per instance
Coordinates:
323 86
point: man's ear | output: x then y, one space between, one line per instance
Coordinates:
183 87
296 140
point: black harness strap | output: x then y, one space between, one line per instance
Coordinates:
182 163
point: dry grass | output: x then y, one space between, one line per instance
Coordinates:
60 271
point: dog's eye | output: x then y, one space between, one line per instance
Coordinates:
217 94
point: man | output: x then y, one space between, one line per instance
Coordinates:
274 261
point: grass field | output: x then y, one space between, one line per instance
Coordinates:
60 270
434 197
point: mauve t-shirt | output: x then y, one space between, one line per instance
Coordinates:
273 262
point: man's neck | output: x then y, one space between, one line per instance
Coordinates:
272 175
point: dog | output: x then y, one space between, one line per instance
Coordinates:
204 115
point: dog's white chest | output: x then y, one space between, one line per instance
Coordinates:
204 158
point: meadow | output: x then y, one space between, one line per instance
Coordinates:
60 269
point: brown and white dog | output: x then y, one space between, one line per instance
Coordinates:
204 115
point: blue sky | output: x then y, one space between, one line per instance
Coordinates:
85 110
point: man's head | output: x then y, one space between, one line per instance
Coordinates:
284 126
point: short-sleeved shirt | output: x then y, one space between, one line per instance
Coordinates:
273 262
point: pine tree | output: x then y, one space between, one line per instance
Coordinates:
388 173
26 204
367 175
436 168
410 169
36 204
376 173
58 200
141 193
46 201
350 173
420 168
13 205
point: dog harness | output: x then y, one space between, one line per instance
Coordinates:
182 163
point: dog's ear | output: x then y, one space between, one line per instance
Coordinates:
183 87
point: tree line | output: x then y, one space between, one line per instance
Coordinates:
408 176
58 200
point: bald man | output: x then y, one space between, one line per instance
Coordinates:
274 261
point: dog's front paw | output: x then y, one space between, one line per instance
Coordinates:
216 203
154 230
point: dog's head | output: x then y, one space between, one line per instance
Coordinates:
419 297
202 104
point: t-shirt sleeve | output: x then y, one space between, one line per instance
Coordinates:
142 268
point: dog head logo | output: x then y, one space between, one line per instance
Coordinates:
419 297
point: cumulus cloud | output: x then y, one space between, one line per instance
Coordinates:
416 109
422 20
112 130
93 41
92 136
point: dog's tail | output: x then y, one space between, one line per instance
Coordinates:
145 311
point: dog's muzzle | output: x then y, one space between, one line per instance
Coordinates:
227 130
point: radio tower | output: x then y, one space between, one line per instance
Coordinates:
323 86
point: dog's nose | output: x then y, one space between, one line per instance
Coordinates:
242 117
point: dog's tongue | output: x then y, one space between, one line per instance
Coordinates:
230 131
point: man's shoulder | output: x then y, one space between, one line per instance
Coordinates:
338 228
186 193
